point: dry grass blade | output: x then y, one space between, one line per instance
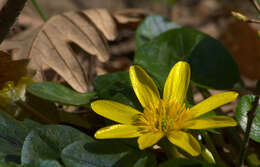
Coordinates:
88 29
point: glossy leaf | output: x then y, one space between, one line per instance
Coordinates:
9 164
43 163
258 3
185 163
105 154
151 27
12 137
38 163
48 142
243 107
58 93
211 64
117 87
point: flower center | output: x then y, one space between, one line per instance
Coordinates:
165 117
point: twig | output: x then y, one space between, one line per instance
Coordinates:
205 93
244 18
228 131
8 14
250 115
256 5
34 112
39 10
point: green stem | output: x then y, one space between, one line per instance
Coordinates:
34 112
235 138
37 7
205 93
205 135
251 115
257 7
170 150
212 148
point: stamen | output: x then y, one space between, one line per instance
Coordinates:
165 117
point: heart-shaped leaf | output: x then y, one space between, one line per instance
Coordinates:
117 87
105 154
12 137
185 163
48 142
243 107
151 27
38 163
211 64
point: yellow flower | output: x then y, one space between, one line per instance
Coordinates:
166 117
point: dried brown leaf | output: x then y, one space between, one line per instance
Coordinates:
11 70
88 29
243 43
130 17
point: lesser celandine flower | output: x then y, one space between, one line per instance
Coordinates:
162 117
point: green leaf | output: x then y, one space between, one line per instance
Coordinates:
43 163
186 163
38 163
258 3
47 142
116 87
58 93
151 27
105 154
9 164
243 107
12 137
211 64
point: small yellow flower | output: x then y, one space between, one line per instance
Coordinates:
162 117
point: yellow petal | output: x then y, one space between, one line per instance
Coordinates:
185 141
117 131
149 139
210 122
115 111
212 103
177 83
144 87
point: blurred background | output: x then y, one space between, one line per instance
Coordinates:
209 16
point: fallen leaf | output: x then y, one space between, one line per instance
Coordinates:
50 45
243 43
11 70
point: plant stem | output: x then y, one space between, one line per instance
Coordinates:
34 112
228 131
8 14
171 150
205 93
256 5
212 148
251 115
37 7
